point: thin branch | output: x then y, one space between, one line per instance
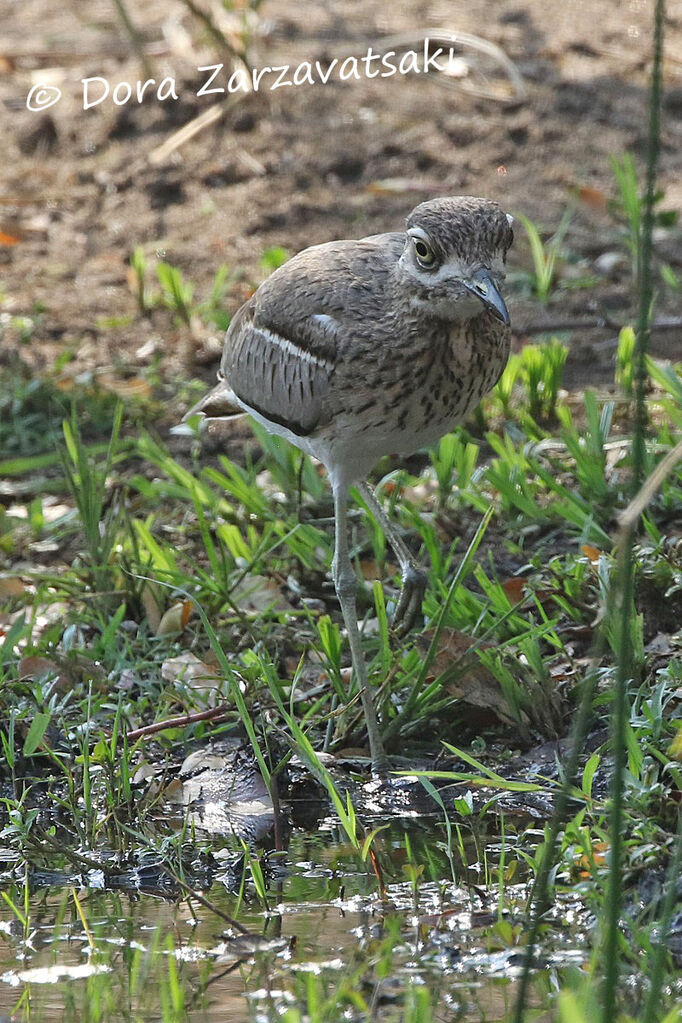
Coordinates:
602 323
215 714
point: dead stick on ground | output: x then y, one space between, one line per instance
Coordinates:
603 323
214 714
628 518
197 124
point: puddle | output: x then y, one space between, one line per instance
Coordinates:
326 937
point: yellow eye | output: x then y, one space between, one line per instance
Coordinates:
424 253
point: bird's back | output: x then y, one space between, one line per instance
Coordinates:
303 326
349 355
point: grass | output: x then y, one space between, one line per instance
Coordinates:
544 257
171 536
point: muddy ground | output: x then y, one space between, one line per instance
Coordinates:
300 165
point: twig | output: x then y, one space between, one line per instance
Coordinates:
203 901
218 37
466 40
219 713
193 127
623 606
135 37
602 323
630 516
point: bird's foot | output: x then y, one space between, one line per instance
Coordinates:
409 605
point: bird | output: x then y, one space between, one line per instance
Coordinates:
355 349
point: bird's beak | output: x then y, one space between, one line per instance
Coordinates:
482 285
217 404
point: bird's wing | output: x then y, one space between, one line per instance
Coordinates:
283 348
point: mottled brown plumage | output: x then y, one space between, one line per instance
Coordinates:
355 349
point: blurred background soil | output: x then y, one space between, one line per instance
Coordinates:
300 165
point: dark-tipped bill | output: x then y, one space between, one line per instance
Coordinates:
217 404
482 285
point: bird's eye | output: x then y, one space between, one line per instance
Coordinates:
425 254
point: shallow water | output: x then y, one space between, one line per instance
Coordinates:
127 955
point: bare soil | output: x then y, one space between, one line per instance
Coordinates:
305 164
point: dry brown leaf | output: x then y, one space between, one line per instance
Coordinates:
466 678
175 618
597 859
202 678
592 197
11 586
33 668
593 554
371 570
150 602
514 588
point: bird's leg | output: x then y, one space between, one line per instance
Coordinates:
413 575
346 584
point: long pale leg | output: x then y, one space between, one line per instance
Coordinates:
346 584
413 575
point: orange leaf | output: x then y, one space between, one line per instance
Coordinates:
592 197
514 588
592 553
8 239
186 612
175 618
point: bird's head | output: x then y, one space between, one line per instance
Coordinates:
453 263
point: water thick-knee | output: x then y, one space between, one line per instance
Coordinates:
346 583
415 577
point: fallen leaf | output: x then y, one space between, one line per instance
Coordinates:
465 677
202 678
593 554
259 593
371 569
175 618
592 197
514 588
150 602
11 586
34 668
597 859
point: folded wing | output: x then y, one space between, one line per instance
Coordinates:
284 347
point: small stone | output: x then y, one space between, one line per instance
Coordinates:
608 262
